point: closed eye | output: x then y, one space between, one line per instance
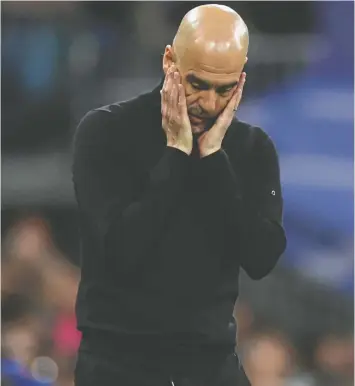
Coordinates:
224 91
199 86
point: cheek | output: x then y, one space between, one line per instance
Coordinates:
190 93
191 98
188 89
221 104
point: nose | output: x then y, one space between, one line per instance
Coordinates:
208 101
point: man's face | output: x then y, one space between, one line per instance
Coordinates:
209 85
207 95
210 78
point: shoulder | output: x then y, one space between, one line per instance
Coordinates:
106 117
248 138
108 124
100 119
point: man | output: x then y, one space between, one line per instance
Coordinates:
175 195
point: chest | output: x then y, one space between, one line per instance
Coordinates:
194 181
149 145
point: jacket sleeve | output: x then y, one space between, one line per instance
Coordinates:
126 213
255 220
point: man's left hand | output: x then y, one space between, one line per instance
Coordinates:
211 141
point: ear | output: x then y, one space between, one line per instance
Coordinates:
167 58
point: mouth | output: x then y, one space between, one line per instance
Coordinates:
194 119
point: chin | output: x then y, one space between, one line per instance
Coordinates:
197 129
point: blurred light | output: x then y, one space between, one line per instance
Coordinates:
44 369
332 105
328 266
84 54
292 49
318 171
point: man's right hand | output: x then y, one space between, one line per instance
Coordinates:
175 120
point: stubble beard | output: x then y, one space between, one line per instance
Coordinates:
196 130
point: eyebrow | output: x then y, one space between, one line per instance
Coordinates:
204 83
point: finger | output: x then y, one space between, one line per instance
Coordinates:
226 117
166 84
168 73
169 83
172 113
177 77
176 80
170 103
165 96
175 99
173 94
166 92
164 99
163 105
232 103
241 81
164 123
182 108
239 91
237 96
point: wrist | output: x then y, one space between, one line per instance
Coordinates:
207 152
182 148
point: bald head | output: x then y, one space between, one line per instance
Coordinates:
211 30
209 50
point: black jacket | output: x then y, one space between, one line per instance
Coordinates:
165 234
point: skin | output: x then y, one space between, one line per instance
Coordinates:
205 63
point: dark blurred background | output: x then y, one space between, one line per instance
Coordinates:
60 59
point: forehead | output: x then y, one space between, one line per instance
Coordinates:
213 67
